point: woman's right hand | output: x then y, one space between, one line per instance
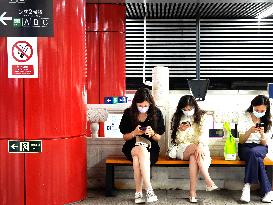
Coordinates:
253 129
138 131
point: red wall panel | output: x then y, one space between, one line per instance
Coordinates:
57 176
92 17
11 176
112 64
112 17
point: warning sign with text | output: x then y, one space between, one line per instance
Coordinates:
22 57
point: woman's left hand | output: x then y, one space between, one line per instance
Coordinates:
261 130
149 131
199 153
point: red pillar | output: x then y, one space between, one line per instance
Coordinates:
11 128
51 109
106 52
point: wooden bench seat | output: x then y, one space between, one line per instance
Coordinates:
113 161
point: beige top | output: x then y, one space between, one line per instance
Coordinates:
194 134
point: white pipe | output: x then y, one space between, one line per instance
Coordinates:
144 39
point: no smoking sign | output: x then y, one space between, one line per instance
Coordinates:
22 51
22 57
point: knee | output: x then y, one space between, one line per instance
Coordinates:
252 153
192 159
135 151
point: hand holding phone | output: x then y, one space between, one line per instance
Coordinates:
184 125
259 124
260 127
143 128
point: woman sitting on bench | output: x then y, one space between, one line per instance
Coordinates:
254 128
141 126
190 132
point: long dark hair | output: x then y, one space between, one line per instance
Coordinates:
186 100
141 95
266 119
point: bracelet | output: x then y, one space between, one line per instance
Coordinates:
154 134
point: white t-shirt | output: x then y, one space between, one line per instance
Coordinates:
245 123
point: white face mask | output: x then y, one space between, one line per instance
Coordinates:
143 109
258 114
188 113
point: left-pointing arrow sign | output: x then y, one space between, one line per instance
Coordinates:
13 146
3 18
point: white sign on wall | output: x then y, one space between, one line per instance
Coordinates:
111 126
22 57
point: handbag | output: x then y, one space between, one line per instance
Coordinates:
171 152
230 150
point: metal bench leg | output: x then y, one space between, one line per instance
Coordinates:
109 180
269 171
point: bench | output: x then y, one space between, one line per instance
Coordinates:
113 161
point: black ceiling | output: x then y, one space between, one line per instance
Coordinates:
231 10
219 9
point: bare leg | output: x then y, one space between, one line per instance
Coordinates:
190 153
193 175
143 157
205 172
144 162
193 167
137 172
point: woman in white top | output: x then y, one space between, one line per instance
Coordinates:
254 127
191 133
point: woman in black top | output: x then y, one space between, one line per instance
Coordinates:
141 126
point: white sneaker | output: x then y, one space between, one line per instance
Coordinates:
139 198
212 188
193 199
268 197
246 193
150 195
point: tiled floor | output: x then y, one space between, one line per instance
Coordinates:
125 197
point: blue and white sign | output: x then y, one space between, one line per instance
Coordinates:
108 100
122 99
115 99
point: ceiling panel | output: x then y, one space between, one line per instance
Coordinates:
192 10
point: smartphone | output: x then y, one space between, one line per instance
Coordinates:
186 123
260 124
143 128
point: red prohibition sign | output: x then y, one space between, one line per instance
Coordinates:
22 51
